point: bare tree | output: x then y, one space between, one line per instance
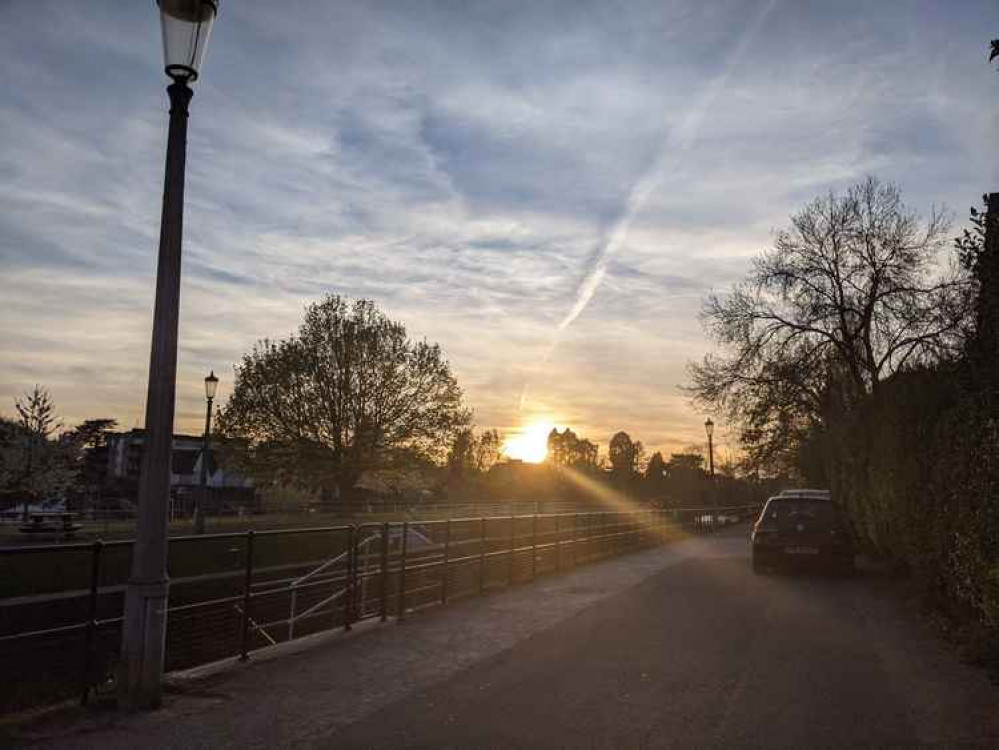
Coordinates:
344 392
851 293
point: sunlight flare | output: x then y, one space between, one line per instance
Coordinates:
530 444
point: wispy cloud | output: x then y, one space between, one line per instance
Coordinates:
494 175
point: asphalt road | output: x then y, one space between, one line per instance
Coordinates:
706 654
678 647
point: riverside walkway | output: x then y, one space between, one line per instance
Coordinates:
679 646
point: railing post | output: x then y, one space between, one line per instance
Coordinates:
482 554
401 607
244 651
447 556
383 606
509 566
348 594
574 539
558 543
88 640
534 546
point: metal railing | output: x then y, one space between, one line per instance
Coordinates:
231 594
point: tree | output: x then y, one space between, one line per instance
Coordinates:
848 296
488 449
86 448
461 456
348 390
569 450
994 53
474 453
33 464
624 456
655 468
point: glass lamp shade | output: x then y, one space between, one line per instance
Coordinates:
211 383
709 427
186 26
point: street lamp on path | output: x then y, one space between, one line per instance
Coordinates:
186 25
709 428
211 383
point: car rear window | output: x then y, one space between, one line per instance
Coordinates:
782 508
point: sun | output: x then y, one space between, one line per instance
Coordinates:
530 444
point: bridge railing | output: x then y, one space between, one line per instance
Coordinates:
61 606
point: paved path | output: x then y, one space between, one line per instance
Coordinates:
680 646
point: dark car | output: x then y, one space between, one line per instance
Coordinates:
802 527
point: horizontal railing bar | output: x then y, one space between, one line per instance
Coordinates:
47 631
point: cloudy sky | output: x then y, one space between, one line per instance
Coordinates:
548 189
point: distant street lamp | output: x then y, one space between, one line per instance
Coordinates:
211 383
709 427
186 25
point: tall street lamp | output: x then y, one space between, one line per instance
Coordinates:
211 383
186 25
709 428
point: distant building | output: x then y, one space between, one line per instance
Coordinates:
124 464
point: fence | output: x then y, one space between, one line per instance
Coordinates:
231 594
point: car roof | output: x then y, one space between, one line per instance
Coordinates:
802 495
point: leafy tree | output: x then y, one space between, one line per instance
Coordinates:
655 468
568 449
994 51
85 447
91 433
461 456
488 449
848 295
685 478
343 394
655 480
474 453
624 455
33 464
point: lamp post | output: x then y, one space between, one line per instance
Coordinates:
211 383
709 428
186 25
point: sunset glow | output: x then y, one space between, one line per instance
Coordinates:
530 445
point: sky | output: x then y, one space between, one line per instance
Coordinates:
547 189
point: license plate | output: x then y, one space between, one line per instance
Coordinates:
802 550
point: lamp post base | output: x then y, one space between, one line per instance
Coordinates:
143 640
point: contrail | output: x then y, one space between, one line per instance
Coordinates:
676 143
